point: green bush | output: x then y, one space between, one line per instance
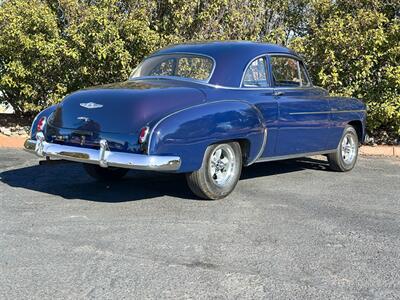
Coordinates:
353 49
49 48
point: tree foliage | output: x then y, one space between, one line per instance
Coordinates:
49 48
353 49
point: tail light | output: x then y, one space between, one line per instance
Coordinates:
144 132
41 124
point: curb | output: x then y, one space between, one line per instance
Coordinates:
381 150
12 141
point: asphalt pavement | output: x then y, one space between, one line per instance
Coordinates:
290 230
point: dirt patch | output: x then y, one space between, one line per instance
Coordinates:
11 141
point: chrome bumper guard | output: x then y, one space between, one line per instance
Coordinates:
103 156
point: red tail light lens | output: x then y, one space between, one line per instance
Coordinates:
143 134
41 124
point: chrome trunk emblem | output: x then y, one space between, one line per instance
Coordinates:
91 105
84 119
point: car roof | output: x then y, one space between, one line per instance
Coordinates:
231 57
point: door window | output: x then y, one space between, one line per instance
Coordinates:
256 74
288 72
305 81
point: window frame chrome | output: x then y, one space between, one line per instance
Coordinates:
268 80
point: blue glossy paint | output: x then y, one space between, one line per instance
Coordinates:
187 116
188 132
231 57
44 113
303 127
127 106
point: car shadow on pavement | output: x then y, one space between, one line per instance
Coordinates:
70 181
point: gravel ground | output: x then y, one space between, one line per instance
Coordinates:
291 230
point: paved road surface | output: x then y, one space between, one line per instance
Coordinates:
291 230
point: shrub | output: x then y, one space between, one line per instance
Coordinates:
353 49
49 48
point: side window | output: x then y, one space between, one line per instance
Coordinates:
288 72
256 74
305 81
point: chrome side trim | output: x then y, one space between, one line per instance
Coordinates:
333 111
261 149
347 111
104 157
222 87
290 156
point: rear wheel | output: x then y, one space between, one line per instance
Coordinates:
219 173
104 174
345 158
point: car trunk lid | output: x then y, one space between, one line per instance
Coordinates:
124 107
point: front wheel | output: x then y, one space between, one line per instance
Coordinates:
219 173
104 174
345 157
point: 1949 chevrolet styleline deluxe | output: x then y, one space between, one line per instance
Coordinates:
204 109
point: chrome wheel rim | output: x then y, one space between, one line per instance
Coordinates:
222 165
348 148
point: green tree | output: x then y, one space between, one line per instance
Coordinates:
31 52
353 49
49 48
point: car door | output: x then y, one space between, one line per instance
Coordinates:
303 111
256 88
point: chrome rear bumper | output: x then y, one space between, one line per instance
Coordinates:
103 156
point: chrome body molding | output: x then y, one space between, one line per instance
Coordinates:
290 156
261 149
103 157
333 111
218 86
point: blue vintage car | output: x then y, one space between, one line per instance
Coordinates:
204 109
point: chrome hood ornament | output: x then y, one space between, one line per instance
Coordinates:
91 105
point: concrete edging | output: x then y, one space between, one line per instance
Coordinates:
380 150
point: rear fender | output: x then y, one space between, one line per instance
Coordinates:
44 113
188 132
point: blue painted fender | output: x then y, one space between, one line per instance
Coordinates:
188 132
44 113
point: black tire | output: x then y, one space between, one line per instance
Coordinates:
104 174
337 160
208 186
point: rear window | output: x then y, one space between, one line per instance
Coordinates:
176 65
